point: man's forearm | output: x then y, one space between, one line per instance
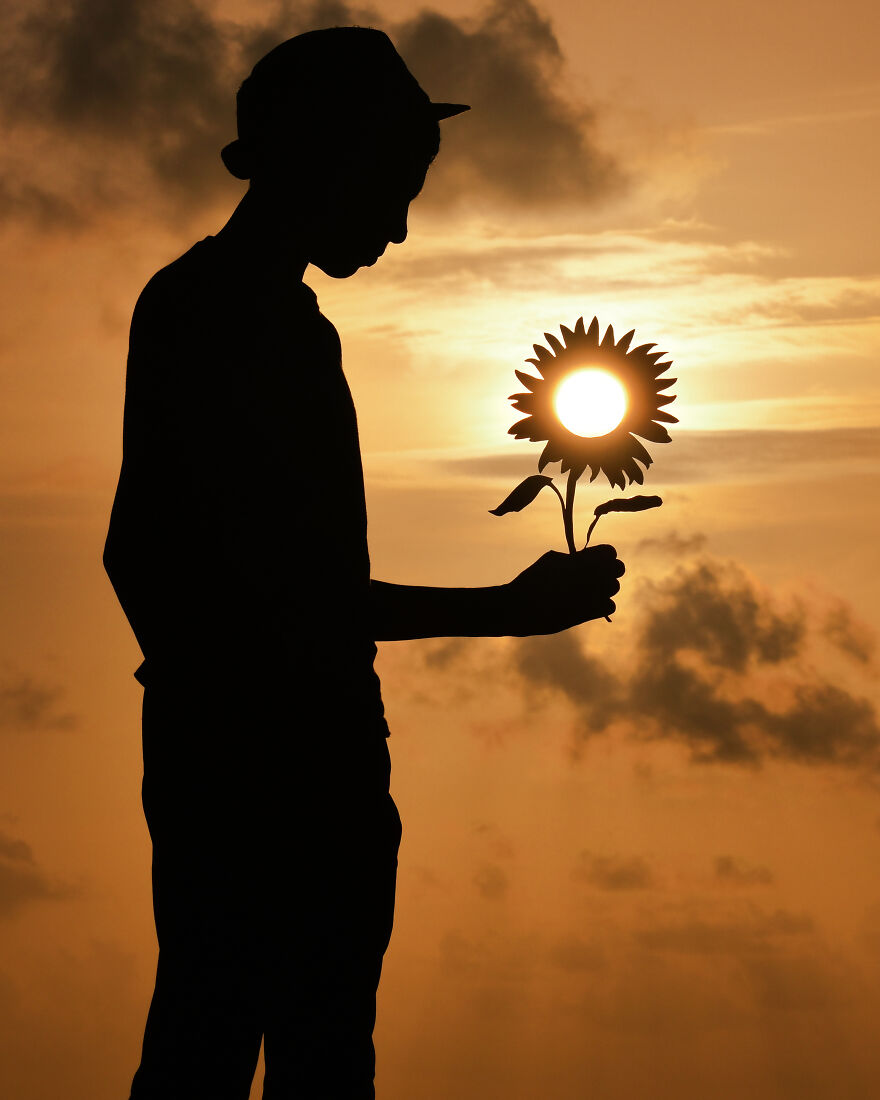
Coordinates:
400 611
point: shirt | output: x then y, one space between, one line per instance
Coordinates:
238 535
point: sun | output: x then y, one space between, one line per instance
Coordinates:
591 399
590 402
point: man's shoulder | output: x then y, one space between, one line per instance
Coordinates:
211 281
178 284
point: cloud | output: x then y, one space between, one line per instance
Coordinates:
574 954
672 545
558 662
718 665
492 881
755 932
848 634
720 457
27 704
614 872
21 879
140 98
736 873
719 612
524 139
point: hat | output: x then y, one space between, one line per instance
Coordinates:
327 75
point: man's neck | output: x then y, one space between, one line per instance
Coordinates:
263 241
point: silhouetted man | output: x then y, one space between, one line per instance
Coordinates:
238 549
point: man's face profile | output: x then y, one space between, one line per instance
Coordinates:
349 200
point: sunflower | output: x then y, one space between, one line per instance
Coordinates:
617 453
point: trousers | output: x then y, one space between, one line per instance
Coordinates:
274 868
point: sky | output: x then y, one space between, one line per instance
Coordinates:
639 858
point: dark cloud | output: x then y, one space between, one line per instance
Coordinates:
848 634
718 665
557 661
143 92
614 872
719 613
672 545
27 704
752 933
492 881
737 873
21 879
524 140
21 200
800 984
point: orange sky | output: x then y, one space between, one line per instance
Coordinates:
606 888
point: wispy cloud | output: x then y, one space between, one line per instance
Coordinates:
30 705
22 880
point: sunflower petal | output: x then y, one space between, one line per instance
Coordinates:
548 455
634 471
625 341
659 368
554 343
608 338
522 429
639 452
664 399
528 380
542 353
653 432
593 331
567 336
666 417
664 383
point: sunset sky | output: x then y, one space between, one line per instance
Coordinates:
640 859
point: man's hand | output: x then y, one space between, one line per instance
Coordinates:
563 590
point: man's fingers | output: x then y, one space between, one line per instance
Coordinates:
603 550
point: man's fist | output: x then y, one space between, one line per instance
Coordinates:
563 590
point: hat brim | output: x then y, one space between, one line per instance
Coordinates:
448 110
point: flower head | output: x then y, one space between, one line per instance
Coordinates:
617 453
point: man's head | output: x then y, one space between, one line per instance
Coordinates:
336 136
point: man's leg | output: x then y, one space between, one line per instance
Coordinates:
324 970
204 1027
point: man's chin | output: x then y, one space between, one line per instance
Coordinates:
342 268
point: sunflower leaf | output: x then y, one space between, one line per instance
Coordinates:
628 504
522 495
622 504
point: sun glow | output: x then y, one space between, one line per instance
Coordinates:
590 402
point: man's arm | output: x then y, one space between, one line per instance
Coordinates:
556 592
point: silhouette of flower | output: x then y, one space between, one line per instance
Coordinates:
618 394
617 453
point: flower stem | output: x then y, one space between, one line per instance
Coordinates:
561 500
568 509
